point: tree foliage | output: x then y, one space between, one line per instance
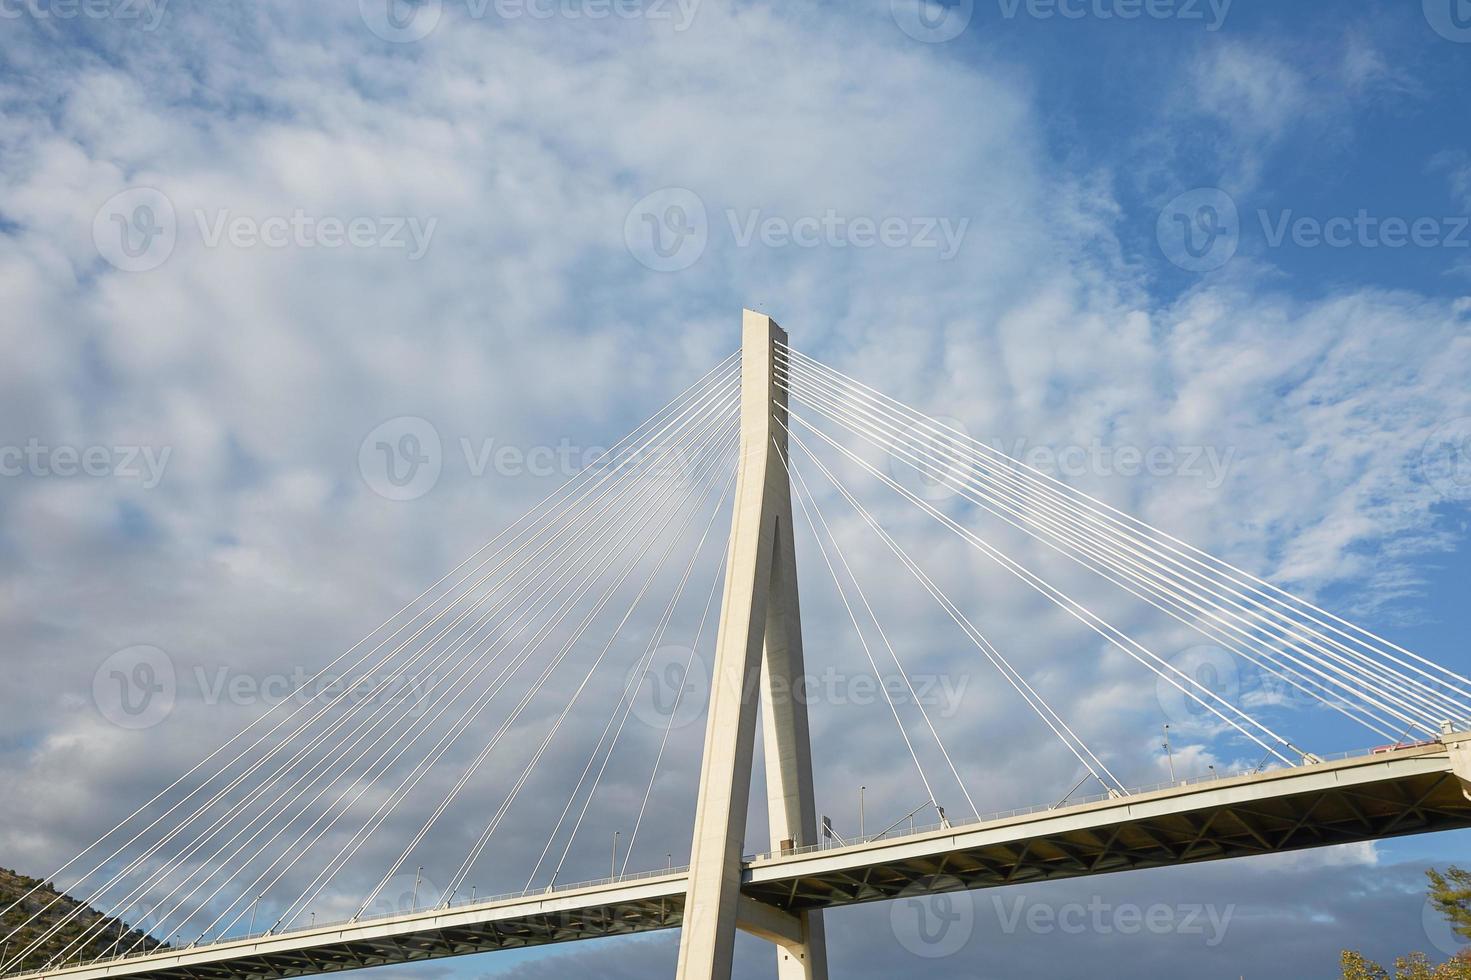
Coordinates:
1450 893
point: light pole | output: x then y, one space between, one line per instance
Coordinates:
861 791
1168 754
415 900
613 867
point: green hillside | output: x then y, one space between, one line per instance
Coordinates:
101 939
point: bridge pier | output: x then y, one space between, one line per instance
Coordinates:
760 636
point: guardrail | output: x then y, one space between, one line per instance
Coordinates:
682 869
831 845
370 919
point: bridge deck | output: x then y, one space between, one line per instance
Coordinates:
1406 791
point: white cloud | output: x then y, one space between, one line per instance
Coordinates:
527 321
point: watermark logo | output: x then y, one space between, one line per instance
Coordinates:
407 21
1239 681
924 465
1363 230
1438 930
930 21
1445 459
405 893
402 458
939 695
135 688
1101 918
670 689
1209 464
145 14
135 230
1199 230
1212 13
667 231
1451 19
405 694
833 230
300 229
145 464
933 917
401 21
1209 667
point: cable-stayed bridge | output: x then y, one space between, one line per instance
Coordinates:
286 851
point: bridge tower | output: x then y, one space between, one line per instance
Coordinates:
760 635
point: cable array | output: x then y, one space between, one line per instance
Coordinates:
276 814
1383 687
289 816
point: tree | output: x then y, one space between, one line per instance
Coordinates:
1416 966
1450 893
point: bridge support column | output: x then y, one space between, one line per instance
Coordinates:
1458 746
758 659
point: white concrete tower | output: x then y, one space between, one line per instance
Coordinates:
760 630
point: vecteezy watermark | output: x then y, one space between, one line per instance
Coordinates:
1101 918
940 695
135 687
1213 674
934 22
145 464
138 687
401 459
1201 230
933 917
1364 230
146 15
669 230
833 230
404 458
1209 13
1211 464
300 229
137 229
403 692
1438 930
1451 19
1445 459
405 893
407 21
923 459
930 21
669 690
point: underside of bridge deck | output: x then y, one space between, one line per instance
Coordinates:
1373 797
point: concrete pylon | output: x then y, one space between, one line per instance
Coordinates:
760 631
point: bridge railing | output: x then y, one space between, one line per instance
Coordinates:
461 903
829 845
469 902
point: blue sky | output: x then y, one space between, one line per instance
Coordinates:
1243 232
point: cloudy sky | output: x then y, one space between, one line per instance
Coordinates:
246 247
